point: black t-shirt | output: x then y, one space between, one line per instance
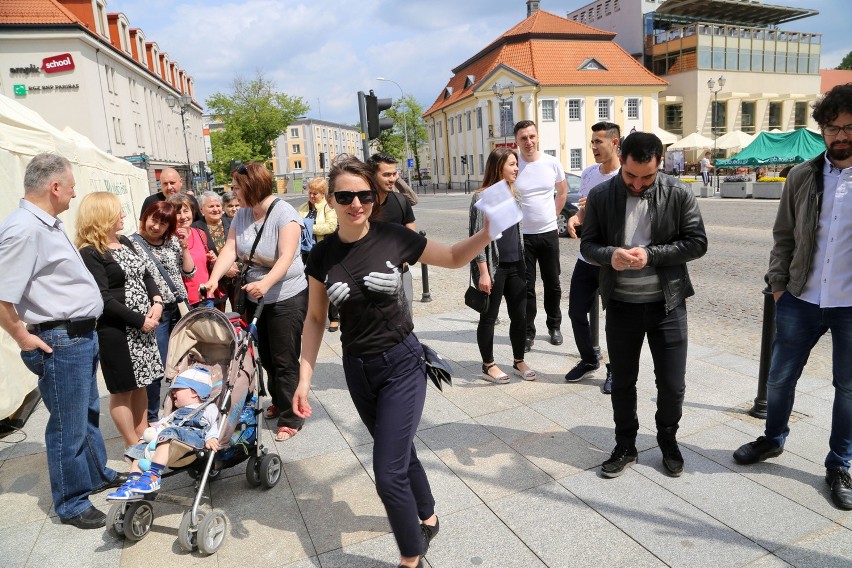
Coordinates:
370 322
396 209
509 245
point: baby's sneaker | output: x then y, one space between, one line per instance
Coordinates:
125 492
148 482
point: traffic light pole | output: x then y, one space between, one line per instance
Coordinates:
362 110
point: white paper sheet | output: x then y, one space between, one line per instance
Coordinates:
501 209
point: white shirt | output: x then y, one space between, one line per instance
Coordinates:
535 184
829 283
591 177
705 165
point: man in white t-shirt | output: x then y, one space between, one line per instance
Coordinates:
539 174
706 168
584 280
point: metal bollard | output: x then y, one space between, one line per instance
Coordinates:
767 336
424 271
595 322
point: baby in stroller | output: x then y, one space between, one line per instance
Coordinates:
193 422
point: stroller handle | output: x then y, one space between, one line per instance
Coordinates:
257 311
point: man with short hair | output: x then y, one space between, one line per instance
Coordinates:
706 168
642 227
395 208
171 184
49 304
584 279
810 275
539 175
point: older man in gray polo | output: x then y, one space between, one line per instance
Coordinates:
49 303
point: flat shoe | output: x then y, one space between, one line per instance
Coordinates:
91 518
271 412
285 433
528 375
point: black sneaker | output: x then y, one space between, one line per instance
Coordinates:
672 458
619 460
582 370
528 344
761 449
841 488
429 533
607 386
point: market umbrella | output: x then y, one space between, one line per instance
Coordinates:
734 139
694 140
665 136
770 148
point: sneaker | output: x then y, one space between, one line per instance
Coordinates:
607 386
841 488
761 449
581 370
621 458
429 533
271 412
125 493
672 458
148 482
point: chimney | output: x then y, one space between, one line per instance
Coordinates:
532 7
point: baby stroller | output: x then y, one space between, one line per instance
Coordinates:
227 347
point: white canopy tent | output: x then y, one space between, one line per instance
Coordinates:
23 134
694 140
665 136
734 139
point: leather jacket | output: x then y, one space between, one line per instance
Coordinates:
795 228
677 234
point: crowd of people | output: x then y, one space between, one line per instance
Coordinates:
110 299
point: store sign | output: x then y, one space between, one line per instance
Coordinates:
58 63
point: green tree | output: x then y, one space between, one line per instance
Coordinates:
392 141
846 63
254 114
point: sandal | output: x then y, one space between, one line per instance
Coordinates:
333 326
271 412
528 375
502 378
285 433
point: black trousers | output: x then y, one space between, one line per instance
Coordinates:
626 327
584 286
279 332
509 281
389 390
544 250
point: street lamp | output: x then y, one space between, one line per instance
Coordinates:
711 85
184 102
404 125
499 90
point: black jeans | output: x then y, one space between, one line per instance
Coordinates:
389 391
626 327
584 286
279 332
509 281
544 249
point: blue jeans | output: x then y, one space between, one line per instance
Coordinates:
171 315
798 327
76 454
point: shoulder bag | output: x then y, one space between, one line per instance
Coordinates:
476 299
240 305
162 269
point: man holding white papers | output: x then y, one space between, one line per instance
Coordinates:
540 174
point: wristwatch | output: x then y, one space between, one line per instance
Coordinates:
160 302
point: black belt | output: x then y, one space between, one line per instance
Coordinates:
74 326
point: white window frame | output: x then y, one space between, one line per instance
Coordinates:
579 107
548 106
575 159
599 104
637 103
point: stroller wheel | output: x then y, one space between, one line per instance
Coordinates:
211 532
270 470
188 530
253 471
115 520
138 518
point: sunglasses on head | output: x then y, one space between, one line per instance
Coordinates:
365 197
242 170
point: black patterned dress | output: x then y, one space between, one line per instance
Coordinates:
129 357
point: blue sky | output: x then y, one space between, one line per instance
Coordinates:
327 50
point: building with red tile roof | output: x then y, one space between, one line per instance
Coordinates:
563 75
81 67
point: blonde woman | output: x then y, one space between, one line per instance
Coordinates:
132 310
325 223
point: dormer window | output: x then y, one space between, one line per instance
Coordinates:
591 64
469 81
99 12
448 92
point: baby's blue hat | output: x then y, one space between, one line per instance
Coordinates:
195 378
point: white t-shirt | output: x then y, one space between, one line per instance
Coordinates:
535 184
591 177
705 165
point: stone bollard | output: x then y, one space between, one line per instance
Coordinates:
424 271
767 336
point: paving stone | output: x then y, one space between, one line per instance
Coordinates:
24 490
831 548
17 542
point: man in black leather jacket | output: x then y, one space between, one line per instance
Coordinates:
642 227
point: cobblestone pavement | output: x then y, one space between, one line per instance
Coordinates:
726 311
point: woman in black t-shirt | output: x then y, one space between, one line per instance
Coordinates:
358 269
500 271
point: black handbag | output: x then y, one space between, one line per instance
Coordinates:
240 303
476 299
437 368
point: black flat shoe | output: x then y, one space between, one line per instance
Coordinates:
91 518
117 481
419 564
429 532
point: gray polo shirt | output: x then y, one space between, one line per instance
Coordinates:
41 272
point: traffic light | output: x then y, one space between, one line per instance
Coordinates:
464 160
375 105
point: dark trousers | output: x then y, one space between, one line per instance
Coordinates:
626 327
544 250
389 390
509 281
280 341
581 295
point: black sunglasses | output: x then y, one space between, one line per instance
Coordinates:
242 170
365 197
